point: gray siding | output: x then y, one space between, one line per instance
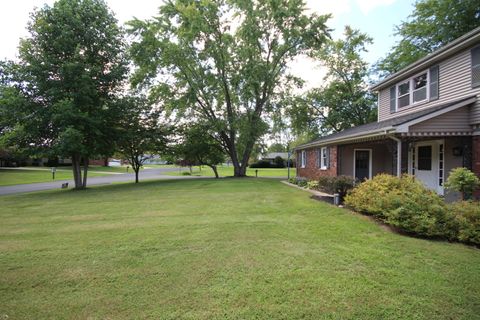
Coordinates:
454 121
455 83
382 158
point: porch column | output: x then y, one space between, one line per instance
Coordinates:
476 160
399 154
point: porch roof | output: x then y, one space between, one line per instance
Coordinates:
390 126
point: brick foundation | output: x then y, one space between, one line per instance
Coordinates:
476 160
311 170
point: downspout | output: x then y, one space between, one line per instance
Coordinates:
399 154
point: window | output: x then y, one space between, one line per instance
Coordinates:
303 158
424 158
403 94
318 158
324 158
475 66
419 88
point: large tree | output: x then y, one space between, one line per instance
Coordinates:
140 134
432 24
60 92
224 62
344 101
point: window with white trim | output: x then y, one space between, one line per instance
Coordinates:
303 158
323 158
416 89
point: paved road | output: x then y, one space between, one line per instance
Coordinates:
147 174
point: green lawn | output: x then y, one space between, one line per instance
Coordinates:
225 171
220 249
17 176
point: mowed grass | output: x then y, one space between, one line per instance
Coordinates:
19 176
220 249
227 171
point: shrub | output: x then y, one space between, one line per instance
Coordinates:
342 184
325 184
404 203
261 164
312 185
467 215
278 162
463 181
301 182
369 196
186 173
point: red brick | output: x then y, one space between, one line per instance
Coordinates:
311 170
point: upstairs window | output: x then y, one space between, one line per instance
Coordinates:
475 67
419 88
403 94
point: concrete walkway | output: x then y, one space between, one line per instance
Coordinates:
147 174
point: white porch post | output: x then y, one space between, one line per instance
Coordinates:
399 155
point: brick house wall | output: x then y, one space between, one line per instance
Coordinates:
311 170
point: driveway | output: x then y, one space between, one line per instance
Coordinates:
147 174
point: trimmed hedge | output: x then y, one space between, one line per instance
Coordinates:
406 204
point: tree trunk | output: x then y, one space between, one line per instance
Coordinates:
136 169
214 168
77 171
85 171
105 162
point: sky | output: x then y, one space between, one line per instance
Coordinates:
377 18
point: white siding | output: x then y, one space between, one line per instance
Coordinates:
455 83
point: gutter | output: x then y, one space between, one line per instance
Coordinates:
364 135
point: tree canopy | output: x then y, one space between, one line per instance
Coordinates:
60 92
140 135
224 63
432 24
198 147
344 101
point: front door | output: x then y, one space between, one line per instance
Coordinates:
362 164
427 164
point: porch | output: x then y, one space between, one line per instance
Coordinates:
428 158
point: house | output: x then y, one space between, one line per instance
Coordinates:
270 157
428 123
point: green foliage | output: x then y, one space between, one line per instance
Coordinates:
432 24
462 180
140 135
200 146
279 162
406 204
226 62
58 96
313 185
277 147
467 214
301 182
345 101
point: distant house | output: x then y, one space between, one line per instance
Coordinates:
270 157
428 123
